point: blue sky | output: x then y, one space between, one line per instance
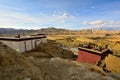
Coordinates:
70 14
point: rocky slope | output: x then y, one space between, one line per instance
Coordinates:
15 66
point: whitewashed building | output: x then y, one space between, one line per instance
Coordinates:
22 44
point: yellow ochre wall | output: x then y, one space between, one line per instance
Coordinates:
113 63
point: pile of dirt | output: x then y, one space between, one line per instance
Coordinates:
15 66
54 50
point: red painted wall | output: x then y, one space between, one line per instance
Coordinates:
87 57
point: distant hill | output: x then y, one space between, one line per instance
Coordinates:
42 30
13 31
57 31
52 30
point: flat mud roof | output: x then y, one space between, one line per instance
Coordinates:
20 39
90 51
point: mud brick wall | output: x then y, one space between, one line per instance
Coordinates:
113 63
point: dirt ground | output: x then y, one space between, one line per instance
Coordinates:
42 66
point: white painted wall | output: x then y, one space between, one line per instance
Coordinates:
12 44
19 46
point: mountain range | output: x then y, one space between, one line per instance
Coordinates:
52 31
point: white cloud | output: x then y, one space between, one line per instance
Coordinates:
60 17
102 23
98 22
19 26
13 19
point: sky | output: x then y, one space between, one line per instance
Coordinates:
67 14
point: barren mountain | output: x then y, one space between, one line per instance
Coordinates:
56 31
